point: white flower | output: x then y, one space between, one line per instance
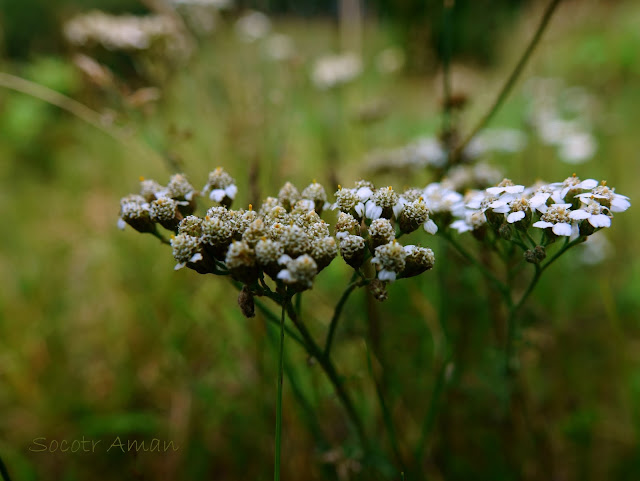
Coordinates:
334 70
593 212
577 148
558 218
253 26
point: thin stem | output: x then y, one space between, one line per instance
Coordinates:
330 370
446 71
511 80
79 110
504 290
276 467
4 472
336 314
272 318
386 414
160 237
514 308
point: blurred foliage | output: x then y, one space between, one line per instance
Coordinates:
100 337
20 19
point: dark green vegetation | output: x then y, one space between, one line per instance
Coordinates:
100 339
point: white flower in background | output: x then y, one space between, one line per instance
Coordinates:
426 151
279 47
252 26
595 250
550 104
577 148
497 140
390 60
440 199
473 220
123 32
335 70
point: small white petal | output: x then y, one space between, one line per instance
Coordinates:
515 217
364 193
514 189
217 195
121 224
372 211
196 257
340 235
179 266
579 214
398 208
600 220
619 203
430 227
283 259
285 275
542 224
562 228
461 226
385 275
359 208
409 249
588 184
495 190
231 191
539 199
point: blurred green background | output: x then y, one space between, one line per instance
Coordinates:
100 338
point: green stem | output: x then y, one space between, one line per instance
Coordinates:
447 14
504 290
4 472
336 314
273 319
81 111
276 467
327 366
386 415
515 307
511 80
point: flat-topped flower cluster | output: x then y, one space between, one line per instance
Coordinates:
570 208
286 238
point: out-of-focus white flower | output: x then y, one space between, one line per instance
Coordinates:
280 47
577 148
124 32
390 60
252 26
497 140
595 250
334 70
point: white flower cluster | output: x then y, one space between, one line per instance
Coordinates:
165 205
124 32
335 70
430 151
561 118
286 237
370 220
570 208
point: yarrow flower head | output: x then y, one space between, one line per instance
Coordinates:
221 187
286 239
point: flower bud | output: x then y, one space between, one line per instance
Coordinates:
245 301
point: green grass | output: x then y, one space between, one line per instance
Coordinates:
100 337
